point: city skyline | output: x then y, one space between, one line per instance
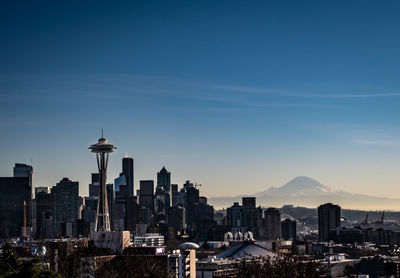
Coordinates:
238 97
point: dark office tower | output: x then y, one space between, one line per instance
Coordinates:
44 212
249 202
133 214
14 198
25 170
121 195
189 195
192 196
289 230
273 224
89 214
177 218
328 221
203 200
94 185
127 170
164 179
204 217
260 231
250 214
235 216
120 186
146 198
65 200
174 194
161 203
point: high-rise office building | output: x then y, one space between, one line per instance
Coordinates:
328 221
177 218
44 212
289 229
250 214
134 214
164 179
94 185
146 198
249 202
16 202
191 201
14 198
25 170
128 171
273 224
174 194
120 199
65 200
203 217
235 216
161 203
121 186
89 214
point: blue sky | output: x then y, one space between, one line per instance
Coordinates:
236 95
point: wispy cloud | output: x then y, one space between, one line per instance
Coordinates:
243 101
287 93
314 105
243 89
379 143
344 96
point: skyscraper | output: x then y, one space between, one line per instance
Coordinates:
25 170
89 214
127 170
44 212
94 185
14 194
15 202
174 194
249 202
164 179
146 198
289 229
177 218
328 221
65 200
250 214
134 214
273 224
235 216
120 202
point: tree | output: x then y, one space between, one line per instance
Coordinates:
10 267
9 260
28 270
279 267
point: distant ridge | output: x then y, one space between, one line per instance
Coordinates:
305 191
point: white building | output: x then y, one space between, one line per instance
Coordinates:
149 240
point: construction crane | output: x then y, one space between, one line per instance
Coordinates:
365 222
382 217
196 184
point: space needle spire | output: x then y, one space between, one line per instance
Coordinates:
102 149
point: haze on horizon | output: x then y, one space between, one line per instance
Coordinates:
238 96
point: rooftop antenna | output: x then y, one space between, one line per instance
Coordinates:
102 133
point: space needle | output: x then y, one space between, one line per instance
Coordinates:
102 149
